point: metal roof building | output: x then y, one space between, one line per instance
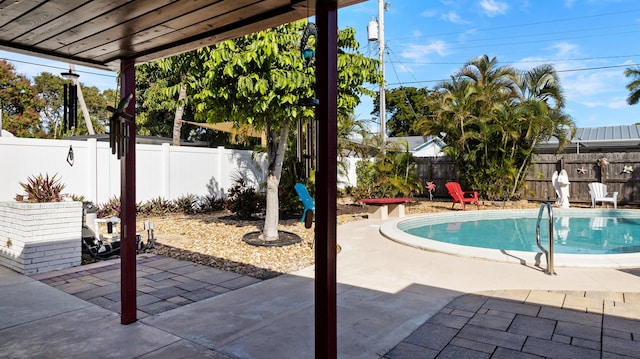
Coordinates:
598 139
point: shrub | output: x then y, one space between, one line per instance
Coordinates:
210 203
109 209
187 204
244 201
158 205
43 188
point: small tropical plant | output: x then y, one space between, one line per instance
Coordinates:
42 188
392 174
109 209
187 204
210 203
158 206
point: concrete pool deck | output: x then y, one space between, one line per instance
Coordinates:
393 301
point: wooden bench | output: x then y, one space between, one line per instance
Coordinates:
382 208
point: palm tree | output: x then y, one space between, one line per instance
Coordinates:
542 83
634 85
494 117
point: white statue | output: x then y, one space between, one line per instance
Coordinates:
561 185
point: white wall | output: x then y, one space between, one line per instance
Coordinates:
161 170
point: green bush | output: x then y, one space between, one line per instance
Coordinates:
243 201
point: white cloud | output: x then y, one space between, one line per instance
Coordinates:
417 33
453 17
494 8
419 52
594 88
565 49
429 13
569 3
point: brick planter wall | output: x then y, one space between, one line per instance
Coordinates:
40 237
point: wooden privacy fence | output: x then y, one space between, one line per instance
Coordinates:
538 186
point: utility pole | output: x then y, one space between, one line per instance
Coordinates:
383 108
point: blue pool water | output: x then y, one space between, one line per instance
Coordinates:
572 235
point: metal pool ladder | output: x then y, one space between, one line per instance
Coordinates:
548 254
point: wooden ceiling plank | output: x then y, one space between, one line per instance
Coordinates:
12 10
77 16
101 23
32 20
220 21
127 31
248 27
50 35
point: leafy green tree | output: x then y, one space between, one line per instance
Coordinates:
406 106
97 102
261 80
19 103
50 90
634 85
159 85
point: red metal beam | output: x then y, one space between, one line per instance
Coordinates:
326 175
128 200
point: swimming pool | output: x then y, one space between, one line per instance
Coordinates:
582 237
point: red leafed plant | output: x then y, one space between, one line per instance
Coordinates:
43 188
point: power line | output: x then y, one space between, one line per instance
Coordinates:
567 70
537 41
525 24
57 67
525 61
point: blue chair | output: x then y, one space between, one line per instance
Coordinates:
308 202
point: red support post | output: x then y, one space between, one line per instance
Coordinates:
326 178
128 246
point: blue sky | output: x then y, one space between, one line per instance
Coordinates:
33 66
590 43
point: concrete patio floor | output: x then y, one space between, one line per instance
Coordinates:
393 302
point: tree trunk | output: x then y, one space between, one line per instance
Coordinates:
177 120
275 156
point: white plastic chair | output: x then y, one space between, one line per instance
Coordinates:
598 193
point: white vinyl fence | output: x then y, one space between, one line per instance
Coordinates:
161 170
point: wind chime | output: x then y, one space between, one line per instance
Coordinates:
118 128
308 154
70 106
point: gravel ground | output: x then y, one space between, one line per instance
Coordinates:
216 240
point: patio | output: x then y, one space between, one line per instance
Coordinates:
393 301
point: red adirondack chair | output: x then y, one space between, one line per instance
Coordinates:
460 196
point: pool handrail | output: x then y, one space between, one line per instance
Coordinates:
548 254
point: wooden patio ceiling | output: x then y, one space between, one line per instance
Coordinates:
100 34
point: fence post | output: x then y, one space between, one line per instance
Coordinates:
166 171
92 170
220 166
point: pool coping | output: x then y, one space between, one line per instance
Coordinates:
390 230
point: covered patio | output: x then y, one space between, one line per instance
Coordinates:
117 35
